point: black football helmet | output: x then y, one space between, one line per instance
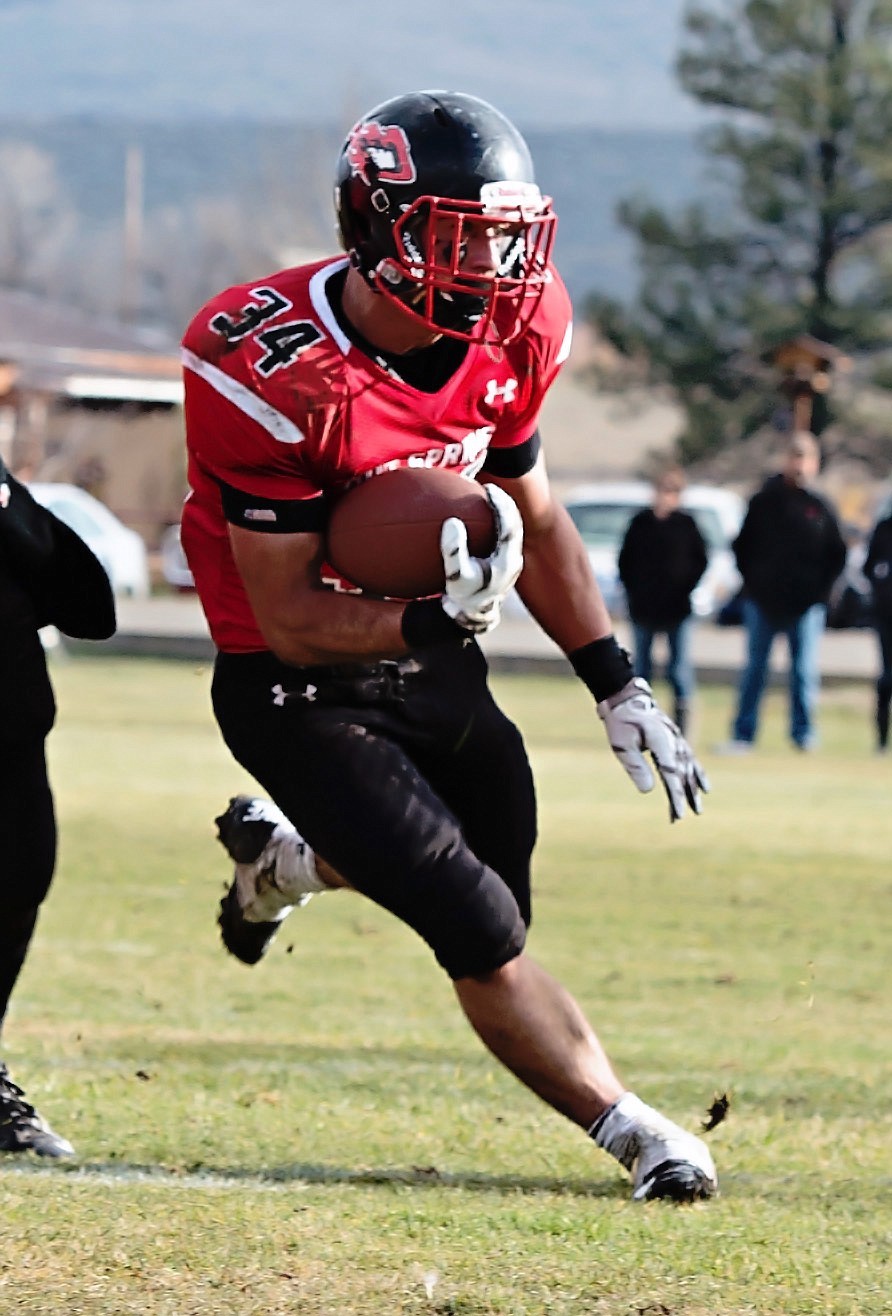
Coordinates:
423 178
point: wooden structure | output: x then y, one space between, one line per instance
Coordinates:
805 364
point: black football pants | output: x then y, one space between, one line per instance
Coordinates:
27 853
407 778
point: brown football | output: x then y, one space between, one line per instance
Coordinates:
384 534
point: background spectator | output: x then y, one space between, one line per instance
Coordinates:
878 570
789 553
663 556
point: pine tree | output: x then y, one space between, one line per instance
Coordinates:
792 233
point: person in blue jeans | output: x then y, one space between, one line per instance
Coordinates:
663 556
789 552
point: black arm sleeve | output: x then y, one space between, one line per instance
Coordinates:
509 463
276 516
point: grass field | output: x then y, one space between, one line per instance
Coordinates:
323 1134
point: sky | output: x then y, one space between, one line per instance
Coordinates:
545 63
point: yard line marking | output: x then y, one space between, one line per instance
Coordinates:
200 1179
301 1177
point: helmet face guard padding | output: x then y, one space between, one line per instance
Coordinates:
420 179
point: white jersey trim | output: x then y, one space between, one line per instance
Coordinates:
321 304
565 345
254 407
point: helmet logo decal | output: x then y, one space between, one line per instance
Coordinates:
380 152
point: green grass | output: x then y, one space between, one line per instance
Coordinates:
323 1134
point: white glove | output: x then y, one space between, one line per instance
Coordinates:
634 723
475 586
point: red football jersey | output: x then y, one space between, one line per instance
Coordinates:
282 407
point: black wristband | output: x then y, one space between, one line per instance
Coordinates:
603 666
425 623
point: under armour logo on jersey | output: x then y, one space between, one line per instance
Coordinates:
494 390
4 494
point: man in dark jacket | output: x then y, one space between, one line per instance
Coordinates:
48 576
662 558
789 553
878 570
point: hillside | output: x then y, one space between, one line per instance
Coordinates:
587 171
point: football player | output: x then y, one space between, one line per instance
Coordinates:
432 340
48 576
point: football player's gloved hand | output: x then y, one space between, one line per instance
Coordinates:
475 587
634 724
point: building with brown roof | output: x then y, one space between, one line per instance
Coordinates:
94 403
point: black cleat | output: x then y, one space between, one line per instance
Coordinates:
244 836
274 873
664 1160
676 1181
671 1164
21 1128
248 942
243 831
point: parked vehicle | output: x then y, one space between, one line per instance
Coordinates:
602 513
174 567
121 550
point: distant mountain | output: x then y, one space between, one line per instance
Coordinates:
224 96
587 171
562 62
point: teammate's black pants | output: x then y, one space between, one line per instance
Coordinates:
27 853
407 778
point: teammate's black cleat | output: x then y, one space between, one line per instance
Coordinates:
21 1128
274 872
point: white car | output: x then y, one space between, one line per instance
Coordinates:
121 550
174 567
602 513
